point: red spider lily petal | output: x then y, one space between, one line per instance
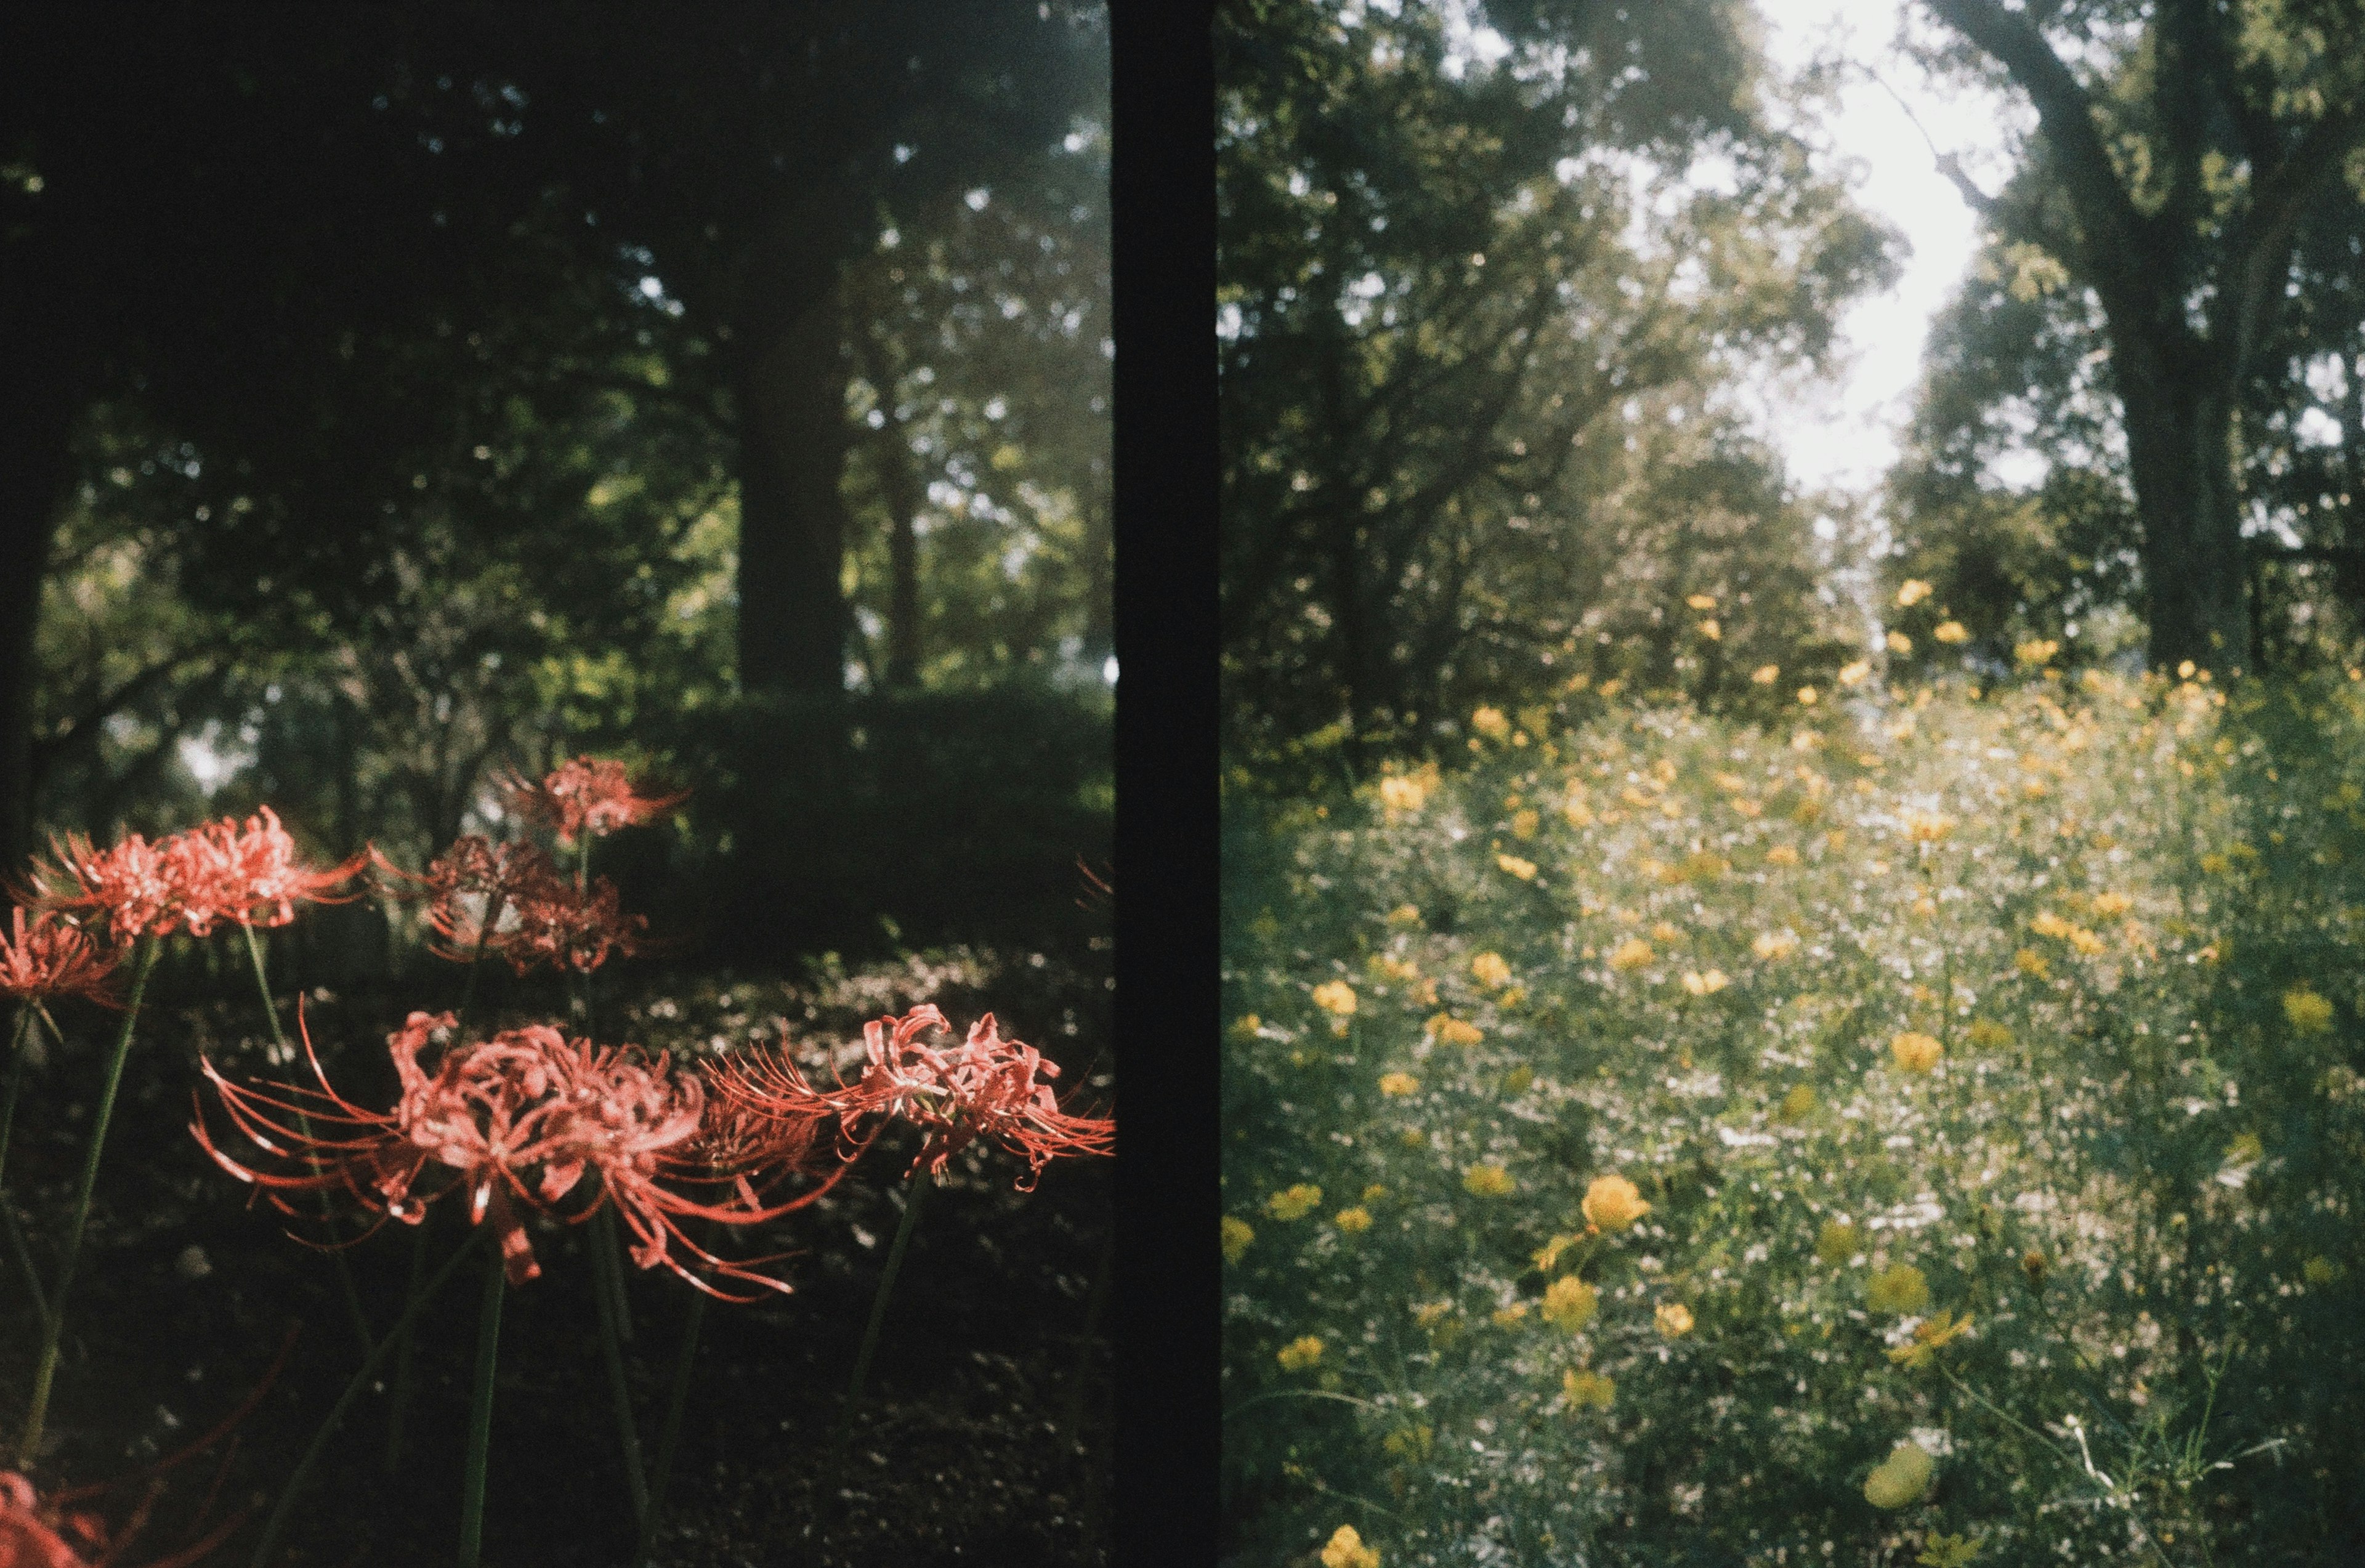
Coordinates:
25 1539
558 927
249 874
135 887
587 795
988 1087
54 958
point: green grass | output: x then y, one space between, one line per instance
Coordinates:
1681 951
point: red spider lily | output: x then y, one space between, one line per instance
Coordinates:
139 889
249 874
509 900
587 795
519 1119
33 1529
988 1087
54 958
564 928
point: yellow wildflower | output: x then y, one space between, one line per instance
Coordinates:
1765 675
1900 1288
1525 870
1797 1103
2108 906
1294 1202
1399 1083
1508 1317
1986 1033
1630 954
1353 1221
1928 1338
1914 1051
1585 1387
2036 651
1404 915
1948 1552
2047 923
1851 674
2086 942
1898 643
1807 694
1707 984
1900 1479
1238 1235
1374 1192
1667 931
1403 794
1837 1242
1613 1203
1570 1304
1336 997
1490 722
1299 1354
1772 945
1246 1026
2029 961
1782 854
1524 822
2309 1013
1452 1031
1490 970
1428 1314
2214 865
1346 1551
1674 1318
1951 632
1489 1182
1911 593
1927 827
1548 1255
1711 630
1702 601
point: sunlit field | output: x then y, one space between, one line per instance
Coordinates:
1924 1130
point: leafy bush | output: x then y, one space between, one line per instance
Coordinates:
1985 1070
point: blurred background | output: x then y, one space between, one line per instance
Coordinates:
395 394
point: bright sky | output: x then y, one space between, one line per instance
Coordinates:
1845 432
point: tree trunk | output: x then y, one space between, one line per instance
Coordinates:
790 383
2181 454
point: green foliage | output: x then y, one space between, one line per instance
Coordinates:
1988 1067
1475 319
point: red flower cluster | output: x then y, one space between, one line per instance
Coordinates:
510 899
988 1087
586 796
247 875
520 1119
51 957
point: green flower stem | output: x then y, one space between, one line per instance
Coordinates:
605 1288
405 1361
920 1185
15 1082
28 1443
670 1438
480 1418
276 1526
304 1125
24 1259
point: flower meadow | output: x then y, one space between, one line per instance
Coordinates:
1924 1130
694 1170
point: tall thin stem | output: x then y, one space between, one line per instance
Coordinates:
29 1444
480 1417
920 1185
304 1125
15 1082
677 1404
605 1288
405 1360
276 1526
